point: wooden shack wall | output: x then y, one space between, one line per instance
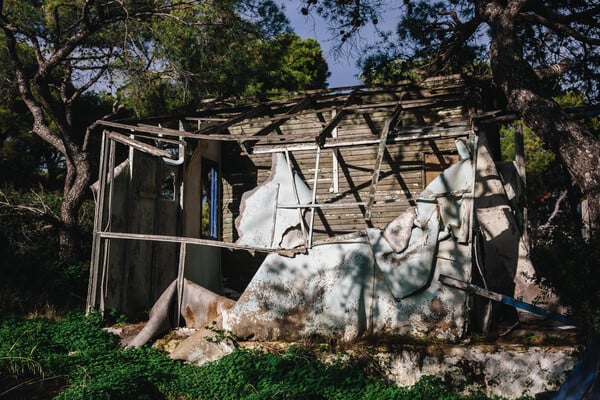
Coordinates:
402 174
136 272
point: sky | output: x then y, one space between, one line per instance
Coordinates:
344 71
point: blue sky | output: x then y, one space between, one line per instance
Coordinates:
342 66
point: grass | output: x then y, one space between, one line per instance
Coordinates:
72 358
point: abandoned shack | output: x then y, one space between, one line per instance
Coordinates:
332 212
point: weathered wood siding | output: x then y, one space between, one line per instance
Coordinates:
403 171
401 178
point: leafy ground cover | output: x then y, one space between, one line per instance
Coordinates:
72 358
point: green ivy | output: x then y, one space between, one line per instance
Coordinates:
84 362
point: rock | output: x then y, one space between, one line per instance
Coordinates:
203 346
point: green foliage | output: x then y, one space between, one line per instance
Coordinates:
544 174
565 263
575 99
31 278
298 374
569 266
380 69
546 177
84 362
537 157
225 62
220 49
86 359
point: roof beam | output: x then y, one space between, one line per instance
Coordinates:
136 144
218 127
340 111
286 117
427 134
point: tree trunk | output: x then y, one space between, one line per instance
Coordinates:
574 146
76 183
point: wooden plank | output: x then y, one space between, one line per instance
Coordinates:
339 114
218 127
205 242
314 197
488 294
141 146
332 144
98 217
379 159
436 163
293 182
166 131
180 282
289 114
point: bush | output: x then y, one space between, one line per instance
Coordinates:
569 265
31 276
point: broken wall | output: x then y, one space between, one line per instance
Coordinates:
367 283
133 273
345 174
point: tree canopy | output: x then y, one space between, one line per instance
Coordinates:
157 55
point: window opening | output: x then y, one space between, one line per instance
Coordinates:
436 163
210 200
167 187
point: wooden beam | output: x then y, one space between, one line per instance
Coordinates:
377 168
286 117
322 205
141 146
314 198
339 114
332 144
172 132
335 164
294 187
380 153
180 281
141 128
488 294
219 127
204 242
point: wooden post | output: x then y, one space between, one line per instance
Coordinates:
301 219
98 215
314 198
380 154
334 158
520 167
106 254
180 277
377 168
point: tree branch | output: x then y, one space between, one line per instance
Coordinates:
461 33
587 17
26 95
88 131
41 210
554 70
560 28
555 211
80 90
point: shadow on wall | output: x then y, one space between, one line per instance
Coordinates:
360 284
